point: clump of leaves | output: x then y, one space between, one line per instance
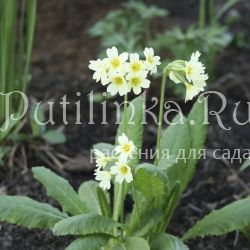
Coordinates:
127 28
87 214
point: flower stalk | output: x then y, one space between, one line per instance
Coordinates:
120 188
160 118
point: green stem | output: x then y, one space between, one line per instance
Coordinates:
120 188
212 18
118 203
202 14
160 119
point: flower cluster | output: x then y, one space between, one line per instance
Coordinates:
191 73
125 72
120 168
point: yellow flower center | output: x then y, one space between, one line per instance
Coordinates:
189 70
115 62
118 80
126 148
150 59
135 81
124 169
136 66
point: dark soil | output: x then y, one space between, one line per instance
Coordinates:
59 65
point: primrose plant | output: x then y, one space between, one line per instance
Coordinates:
98 219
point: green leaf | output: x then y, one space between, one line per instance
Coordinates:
149 217
151 181
245 165
185 138
169 206
29 213
198 133
246 232
133 244
166 163
104 203
87 193
134 125
167 242
37 129
54 137
234 216
60 189
181 139
175 138
85 224
90 242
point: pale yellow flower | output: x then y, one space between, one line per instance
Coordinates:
118 84
138 81
104 177
122 172
115 61
135 65
126 148
101 70
151 61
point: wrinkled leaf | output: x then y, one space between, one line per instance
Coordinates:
133 244
85 224
151 181
234 216
90 242
60 189
29 213
198 133
167 242
88 194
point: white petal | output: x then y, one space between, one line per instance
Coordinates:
113 52
145 83
124 56
119 178
122 139
129 177
134 57
118 149
123 158
112 89
137 90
